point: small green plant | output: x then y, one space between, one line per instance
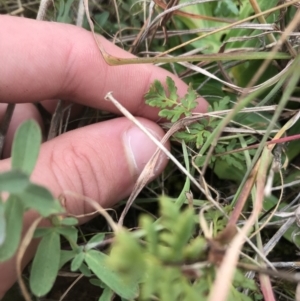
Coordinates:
198 132
172 107
169 260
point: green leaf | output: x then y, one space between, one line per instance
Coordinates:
94 241
226 8
97 262
126 257
40 199
69 221
14 222
40 232
157 97
196 247
225 171
77 261
26 146
172 107
101 18
172 89
45 264
189 100
97 282
64 11
66 256
220 105
196 133
241 281
106 295
85 270
13 181
172 115
70 233
182 232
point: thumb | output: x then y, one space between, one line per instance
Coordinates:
101 161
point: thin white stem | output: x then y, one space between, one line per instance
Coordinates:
127 114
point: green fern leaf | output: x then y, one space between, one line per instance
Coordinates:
220 105
172 107
172 90
172 115
189 100
157 97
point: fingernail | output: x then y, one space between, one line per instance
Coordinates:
139 149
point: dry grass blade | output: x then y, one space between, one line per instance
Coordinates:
112 60
96 205
267 192
284 275
70 287
297 296
44 4
273 141
287 4
294 23
277 236
293 216
261 19
265 84
189 15
5 124
27 239
259 174
225 272
266 287
250 182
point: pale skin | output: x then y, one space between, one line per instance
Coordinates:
43 61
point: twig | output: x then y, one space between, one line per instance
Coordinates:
55 120
23 247
41 15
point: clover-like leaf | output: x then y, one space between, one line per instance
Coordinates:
40 199
13 214
26 146
97 262
45 264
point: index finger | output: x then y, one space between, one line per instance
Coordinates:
46 60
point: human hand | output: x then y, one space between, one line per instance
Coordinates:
46 61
